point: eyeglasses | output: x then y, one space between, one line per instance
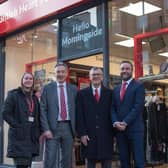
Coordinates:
96 74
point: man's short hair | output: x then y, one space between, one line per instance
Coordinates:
94 69
128 62
61 64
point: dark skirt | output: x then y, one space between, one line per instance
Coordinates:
23 161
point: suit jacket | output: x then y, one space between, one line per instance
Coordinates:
94 120
50 107
131 107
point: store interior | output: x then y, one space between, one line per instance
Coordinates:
37 46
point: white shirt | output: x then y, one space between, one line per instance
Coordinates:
128 82
98 89
59 101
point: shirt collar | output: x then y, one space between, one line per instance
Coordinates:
128 81
93 88
58 84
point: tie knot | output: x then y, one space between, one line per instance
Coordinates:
124 83
61 86
96 90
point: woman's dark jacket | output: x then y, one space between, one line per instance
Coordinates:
23 136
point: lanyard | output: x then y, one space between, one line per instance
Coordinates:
30 104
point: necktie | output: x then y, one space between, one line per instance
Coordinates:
96 95
62 101
123 89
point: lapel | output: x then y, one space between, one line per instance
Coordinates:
55 95
69 97
127 90
102 93
91 95
90 91
118 92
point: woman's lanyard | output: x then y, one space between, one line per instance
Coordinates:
30 104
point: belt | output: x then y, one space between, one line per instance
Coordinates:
63 121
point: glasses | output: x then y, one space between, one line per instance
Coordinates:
96 74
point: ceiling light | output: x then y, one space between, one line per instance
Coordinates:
127 43
137 8
35 36
122 35
165 54
55 24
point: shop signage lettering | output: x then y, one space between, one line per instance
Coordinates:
78 34
21 9
16 14
81 34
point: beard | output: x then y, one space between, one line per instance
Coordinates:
126 77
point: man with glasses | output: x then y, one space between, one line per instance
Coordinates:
94 122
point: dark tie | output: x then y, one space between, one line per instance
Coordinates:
96 95
123 89
63 105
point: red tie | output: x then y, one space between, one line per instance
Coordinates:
123 89
63 105
96 95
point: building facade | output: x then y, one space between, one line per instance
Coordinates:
84 33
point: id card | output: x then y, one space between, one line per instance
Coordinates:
31 119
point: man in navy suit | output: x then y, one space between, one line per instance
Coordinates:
127 107
94 121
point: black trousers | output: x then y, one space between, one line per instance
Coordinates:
21 166
104 163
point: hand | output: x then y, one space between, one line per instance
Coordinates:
48 134
121 126
85 139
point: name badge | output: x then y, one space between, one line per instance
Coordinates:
31 119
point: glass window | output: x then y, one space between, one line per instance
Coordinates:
130 17
34 50
82 34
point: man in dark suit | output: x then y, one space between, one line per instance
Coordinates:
58 118
127 107
94 121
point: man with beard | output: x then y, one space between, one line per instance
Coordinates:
127 106
58 118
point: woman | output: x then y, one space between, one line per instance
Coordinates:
21 112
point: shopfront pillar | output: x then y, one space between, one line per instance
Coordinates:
105 43
2 75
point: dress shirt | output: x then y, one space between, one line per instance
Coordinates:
128 82
98 89
59 101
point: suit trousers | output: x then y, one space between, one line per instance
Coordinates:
131 143
60 144
92 163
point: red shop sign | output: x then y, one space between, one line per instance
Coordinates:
15 14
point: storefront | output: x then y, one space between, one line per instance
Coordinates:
84 33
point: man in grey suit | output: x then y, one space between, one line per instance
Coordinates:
58 118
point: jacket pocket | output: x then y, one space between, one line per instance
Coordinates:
19 133
35 133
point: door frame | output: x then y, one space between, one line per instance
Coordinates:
138 60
